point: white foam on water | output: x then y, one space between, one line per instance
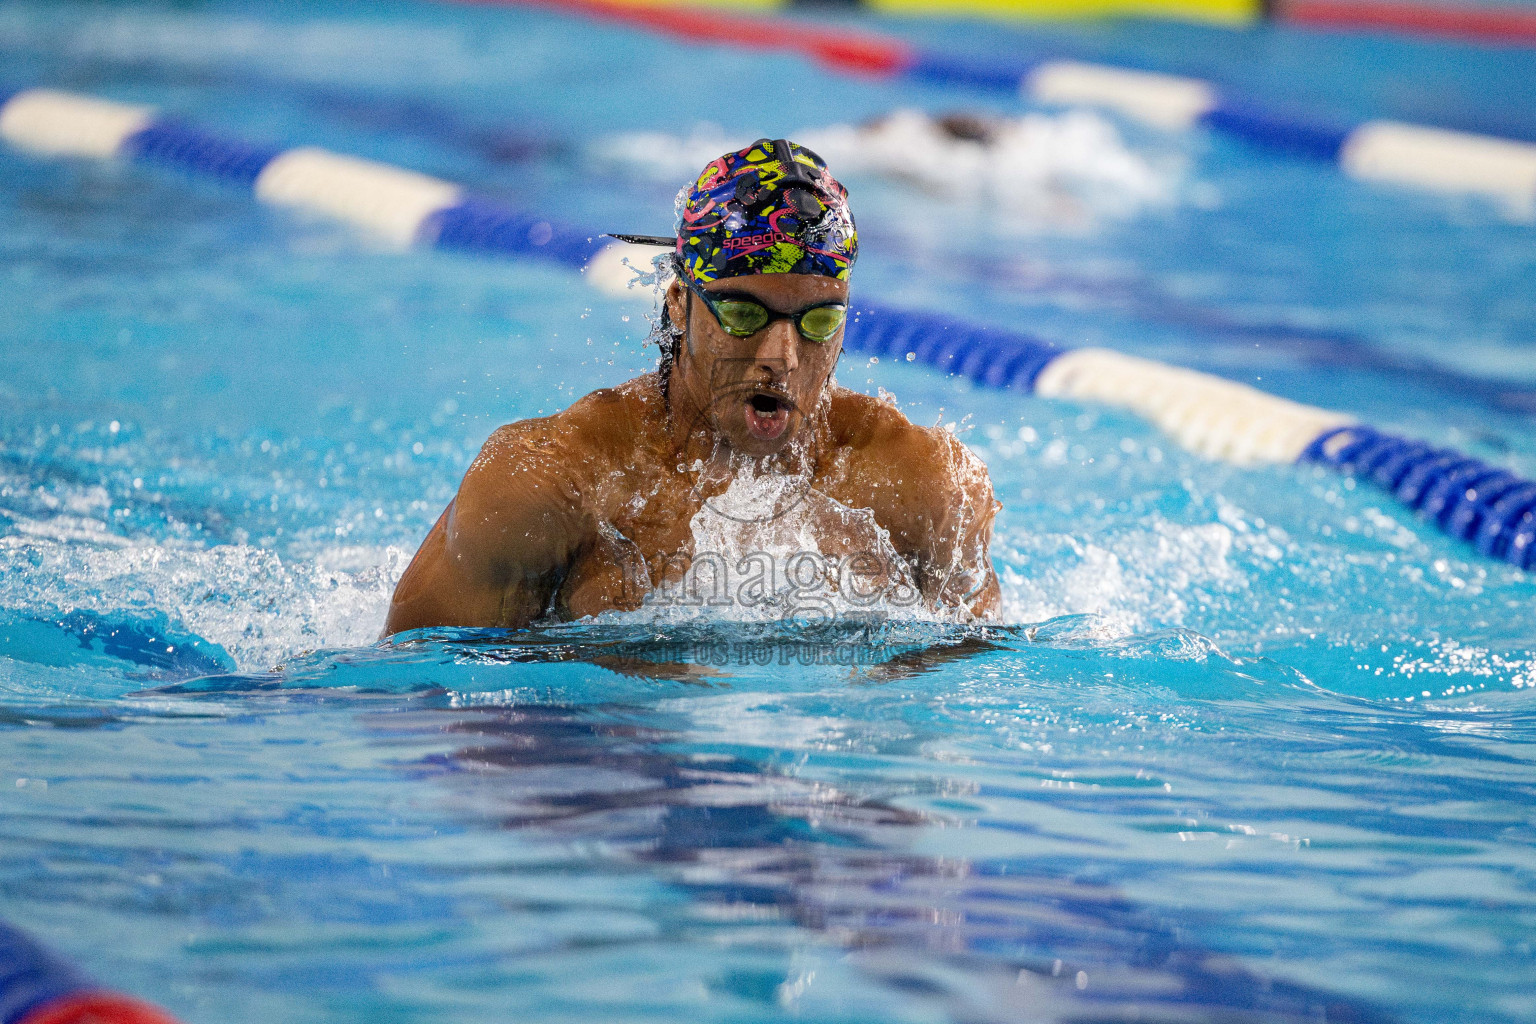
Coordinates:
1038 161
258 607
1132 581
1067 167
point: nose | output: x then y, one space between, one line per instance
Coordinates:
779 351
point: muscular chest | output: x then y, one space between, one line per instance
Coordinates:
648 539
641 538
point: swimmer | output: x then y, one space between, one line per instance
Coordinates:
593 508
1052 171
956 126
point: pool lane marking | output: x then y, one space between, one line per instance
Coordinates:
1385 151
1314 347
1391 152
1214 417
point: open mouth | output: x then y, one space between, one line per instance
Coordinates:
767 415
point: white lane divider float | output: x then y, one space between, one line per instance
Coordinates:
388 202
1163 101
1211 416
1448 161
64 124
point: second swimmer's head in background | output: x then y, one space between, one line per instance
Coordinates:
752 323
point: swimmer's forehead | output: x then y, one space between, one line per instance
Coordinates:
781 287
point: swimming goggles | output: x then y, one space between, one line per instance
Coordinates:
741 318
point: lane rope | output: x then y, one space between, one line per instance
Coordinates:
1385 151
1482 23
442 125
1221 419
1506 25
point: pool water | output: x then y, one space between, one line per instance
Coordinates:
1250 744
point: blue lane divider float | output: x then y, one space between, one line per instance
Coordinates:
1492 508
1218 418
995 358
37 987
176 144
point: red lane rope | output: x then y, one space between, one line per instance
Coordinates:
861 53
867 53
1483 24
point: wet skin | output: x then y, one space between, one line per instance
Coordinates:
578 512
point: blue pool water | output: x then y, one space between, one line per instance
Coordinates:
1253 745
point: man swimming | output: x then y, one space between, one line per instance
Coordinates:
606 504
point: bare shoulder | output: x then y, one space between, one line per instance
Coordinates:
596 429
919 462
525 499
608 420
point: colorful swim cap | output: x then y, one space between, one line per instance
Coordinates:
771 208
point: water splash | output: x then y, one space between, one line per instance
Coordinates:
1065 169
1129 581
246 603
773 547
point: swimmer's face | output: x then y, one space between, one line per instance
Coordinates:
757 392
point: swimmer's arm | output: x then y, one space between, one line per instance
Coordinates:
947 530
502 546
966 541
